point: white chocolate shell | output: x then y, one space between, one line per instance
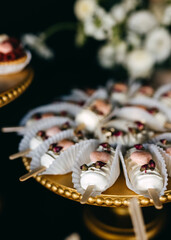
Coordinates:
43 124
84 158
161 174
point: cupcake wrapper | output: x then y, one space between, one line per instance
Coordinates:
167 159
84 157
55 107
64 163
14 68
161 90
138 114
166 156
159 162
149 102
43 124
76 95
166 136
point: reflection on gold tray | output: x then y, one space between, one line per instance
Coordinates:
13 85
116 196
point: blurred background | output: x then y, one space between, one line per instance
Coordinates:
28 210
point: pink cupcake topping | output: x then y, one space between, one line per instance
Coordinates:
52 131
65 143
46 115
147 90
102 106
120 87
141 157
99 156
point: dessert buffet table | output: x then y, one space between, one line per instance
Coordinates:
13 85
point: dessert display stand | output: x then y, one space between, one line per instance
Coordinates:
108 217
13 85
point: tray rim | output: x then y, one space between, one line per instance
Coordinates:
12 93
103 200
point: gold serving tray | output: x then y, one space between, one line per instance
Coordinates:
116 196
13 85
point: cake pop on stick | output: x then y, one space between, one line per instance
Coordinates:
137 219
93 113
41 132
144 169
57 154
61 109
96 169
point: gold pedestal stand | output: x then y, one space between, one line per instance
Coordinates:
13 85
109 217
115 223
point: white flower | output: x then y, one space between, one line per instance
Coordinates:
84 8
158 43
141 22
121 50
133 39
118 13
167 15
130 4
36 43
99 25
106 56
139 63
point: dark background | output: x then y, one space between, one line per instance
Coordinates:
28 210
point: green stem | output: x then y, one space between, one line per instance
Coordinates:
56 28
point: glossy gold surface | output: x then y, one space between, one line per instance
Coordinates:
115 223
116 196
13 85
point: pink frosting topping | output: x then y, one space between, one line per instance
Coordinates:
46 115
52 131
120 87
5 47
168 150
99 156
141 157
65 143
147 90
102 106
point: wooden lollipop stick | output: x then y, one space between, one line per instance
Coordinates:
19 154
87 194
32 173
167 125
12 129
137 219
154 195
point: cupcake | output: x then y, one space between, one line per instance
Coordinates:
13 57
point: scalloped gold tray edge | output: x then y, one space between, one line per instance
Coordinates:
14 92
104 200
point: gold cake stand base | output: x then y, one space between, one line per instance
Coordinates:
13 85
115 223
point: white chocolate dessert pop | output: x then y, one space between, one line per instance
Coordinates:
143 171
119 93
122 131
43 135
96 171
94 113
54 151
144 91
